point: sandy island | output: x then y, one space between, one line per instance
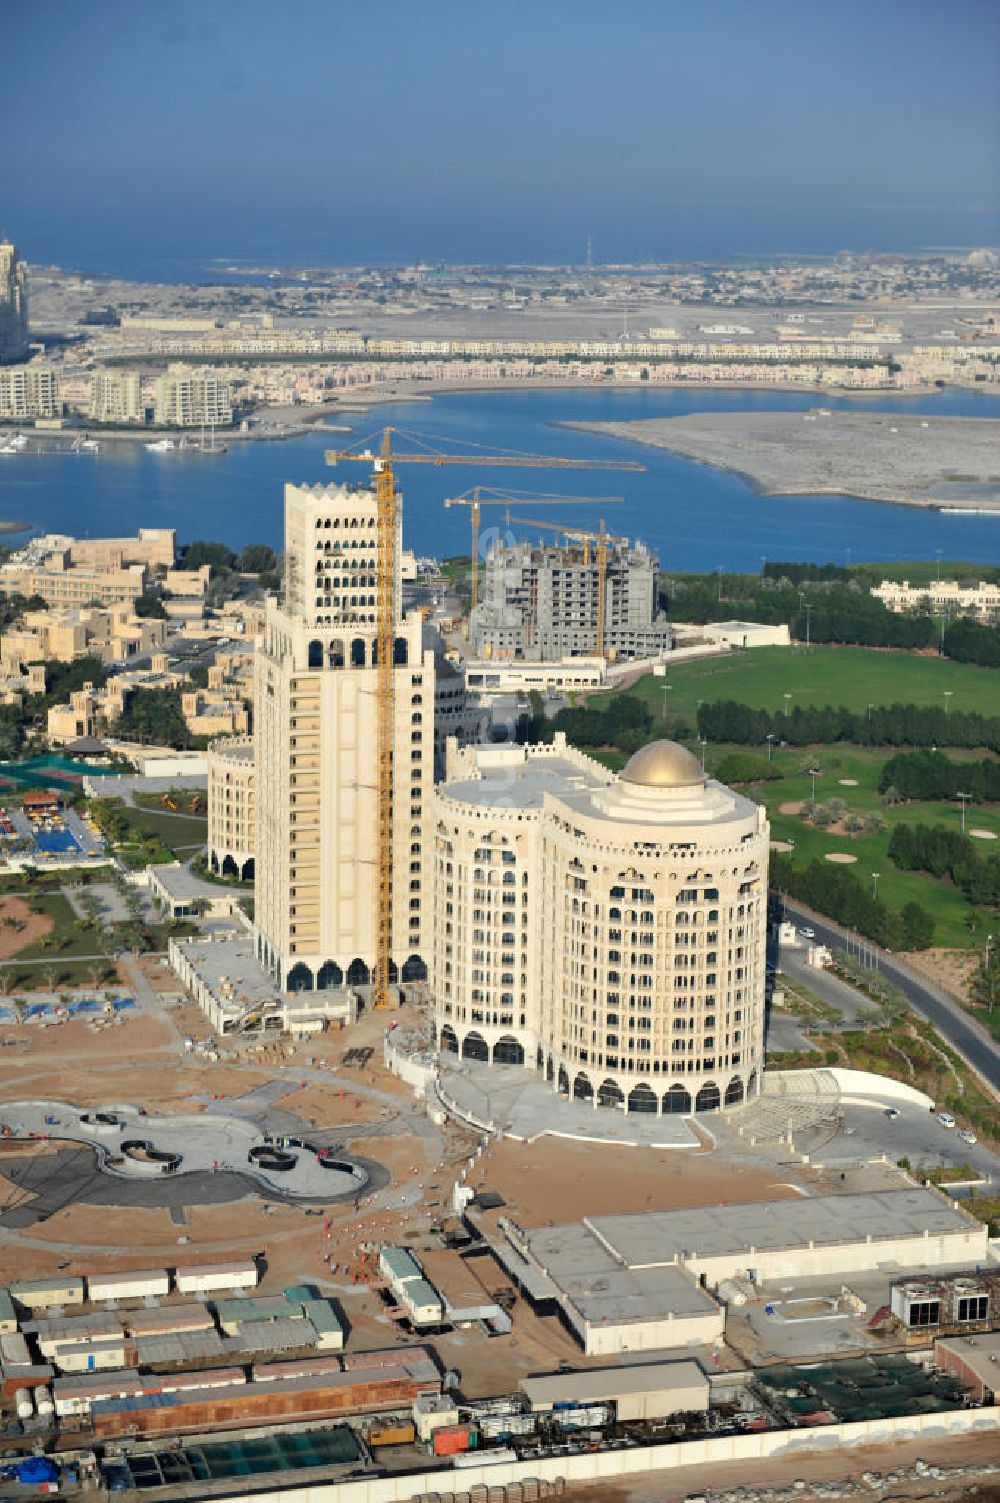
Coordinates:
938 462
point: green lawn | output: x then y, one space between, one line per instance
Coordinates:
65 939
172 829
851 676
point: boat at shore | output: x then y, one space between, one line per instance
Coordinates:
162 446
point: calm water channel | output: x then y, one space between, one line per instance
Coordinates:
698 517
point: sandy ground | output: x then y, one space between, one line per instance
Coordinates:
31 926
841 858
684 1482
876 455
790 806
952 970
553 1181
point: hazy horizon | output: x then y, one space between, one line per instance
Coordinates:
388 133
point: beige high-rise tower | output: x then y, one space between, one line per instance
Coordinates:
13 304
315 754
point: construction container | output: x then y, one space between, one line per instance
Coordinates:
451 1440
8 1315
301 1367
391 1435
211 1278
46 1294
88 1357
140 1283
24 1404
329 1330
14 1350
43 1402
168 1321
404 1356
233 1313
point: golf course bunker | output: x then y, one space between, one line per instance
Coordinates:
841 858
848 782
983 834
151 1148
782 845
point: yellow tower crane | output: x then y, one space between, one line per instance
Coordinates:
602 539
383 462
482 495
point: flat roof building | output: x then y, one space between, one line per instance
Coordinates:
648 1391
634 1282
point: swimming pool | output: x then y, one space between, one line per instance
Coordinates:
56 842
251 1456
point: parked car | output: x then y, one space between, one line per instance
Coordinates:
968 1137
946 1119
808 933
892 1113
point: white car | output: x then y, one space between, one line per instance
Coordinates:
968 1137
892 1112
946 1119
808 933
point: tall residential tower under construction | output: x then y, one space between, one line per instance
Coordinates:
316 697
542 601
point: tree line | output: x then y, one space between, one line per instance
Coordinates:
930 775
947 854
882 725
837 892
826 604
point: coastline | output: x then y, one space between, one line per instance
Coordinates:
763 488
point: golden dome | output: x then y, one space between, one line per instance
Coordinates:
663 764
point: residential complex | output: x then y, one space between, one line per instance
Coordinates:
116 396
28 392
607 931
942 597
73 573
543 603
13 305
315 707
187 396
114 634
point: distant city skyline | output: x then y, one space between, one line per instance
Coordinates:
663 130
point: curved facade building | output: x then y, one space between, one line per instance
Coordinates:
231 807
607 931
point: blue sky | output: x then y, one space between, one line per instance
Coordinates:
497 129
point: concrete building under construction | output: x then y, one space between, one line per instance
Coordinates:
542 601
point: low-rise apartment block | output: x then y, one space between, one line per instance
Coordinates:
116 396
28 392
187 396
73 573
115 635
942 597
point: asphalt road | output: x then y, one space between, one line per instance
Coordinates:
948 1018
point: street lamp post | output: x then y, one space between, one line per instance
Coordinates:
770 739
964 797
814 774
666 690
947 695
875 877
786 697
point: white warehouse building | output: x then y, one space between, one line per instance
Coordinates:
605 930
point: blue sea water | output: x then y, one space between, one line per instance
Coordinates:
697 517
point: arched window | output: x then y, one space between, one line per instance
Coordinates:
677 1100
336 653
642 1099
507 1051
734 1092
315 654
563 1082
399 655
414 969
708 1099
474 1046
357 653
300 979
449 1040
582 1089
358 973
330 976
610 1094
